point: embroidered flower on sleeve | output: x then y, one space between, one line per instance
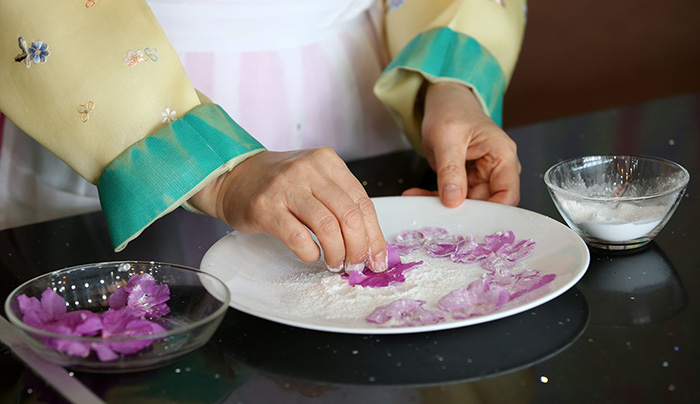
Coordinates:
168 115
394 4
84 111
38 52
90 3
151 54
133 57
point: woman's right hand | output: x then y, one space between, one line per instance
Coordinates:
287 194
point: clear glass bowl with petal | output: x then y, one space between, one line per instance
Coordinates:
616 202
68 317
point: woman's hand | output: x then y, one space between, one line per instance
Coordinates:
287 194
472 156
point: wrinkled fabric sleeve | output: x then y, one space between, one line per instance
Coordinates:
473 42
99 85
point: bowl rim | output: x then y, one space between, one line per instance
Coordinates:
37 331
680 187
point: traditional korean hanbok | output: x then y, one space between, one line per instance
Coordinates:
150 100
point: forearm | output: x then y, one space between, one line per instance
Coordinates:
112 100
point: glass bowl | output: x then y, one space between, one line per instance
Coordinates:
118 325
616 202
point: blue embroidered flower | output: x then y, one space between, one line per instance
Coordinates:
394 4
38 52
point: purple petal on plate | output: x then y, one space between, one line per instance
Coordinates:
415 240
435 233
478 298
370 279
444 246
527 285
405 312
393 256
356 277
394 273
410 238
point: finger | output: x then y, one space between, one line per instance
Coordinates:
419 192
290 231
374 249
346 198
500 185
377 259
324 223
505 186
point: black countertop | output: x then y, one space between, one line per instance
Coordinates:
628 332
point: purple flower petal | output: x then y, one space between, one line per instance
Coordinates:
409 241
104 352
394 274
135 328
143 294
405 312
125 318
477 299
27 304
443 247
53 305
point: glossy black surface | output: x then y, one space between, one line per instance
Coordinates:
628 332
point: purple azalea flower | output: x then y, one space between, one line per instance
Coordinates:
405 312
125 318
50 314
142 293
477 299
126 322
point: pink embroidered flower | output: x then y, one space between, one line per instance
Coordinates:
133 57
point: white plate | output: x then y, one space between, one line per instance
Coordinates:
268 281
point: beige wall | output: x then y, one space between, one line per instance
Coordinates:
584 55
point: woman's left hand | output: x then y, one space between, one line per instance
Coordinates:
472 156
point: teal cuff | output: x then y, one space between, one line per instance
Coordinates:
160 172
442 53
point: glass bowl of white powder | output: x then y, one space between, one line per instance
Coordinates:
616 202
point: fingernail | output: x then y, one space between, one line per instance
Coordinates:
337 269
349 268
380 262
451 192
